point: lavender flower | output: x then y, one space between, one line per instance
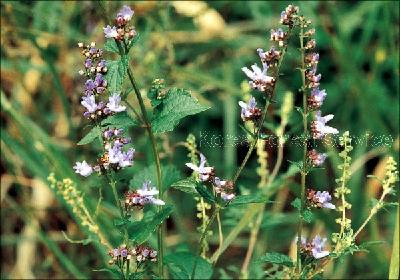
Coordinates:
89 102
114 103
250 111
317 247
270 57
312 59
205 173
224 188
312 77
110 32
260 80
320 199
126 159
143 196
324 198
279 36
316 98
319 128
126 13
287 15
83 168
316 158
100 83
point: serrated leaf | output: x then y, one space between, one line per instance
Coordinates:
181 265
277 258
187 185
247 199
296 203
90 137
116 73
308 216
140 231
120 120
169 175
111 46
177 104
205 193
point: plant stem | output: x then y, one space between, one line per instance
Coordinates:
147 123
160 236
305 131
255 230
204 235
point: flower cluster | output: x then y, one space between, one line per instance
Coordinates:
207 175
319 199
140 197
114 156
121 30
315 248
315 158
317 96
289 15
124 254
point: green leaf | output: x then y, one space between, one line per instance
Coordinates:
90 137
181 265
120 120
140 231
116 74
246 199
187 185
205 193
277 258
169 175
177 104
308 216
111 46
296 203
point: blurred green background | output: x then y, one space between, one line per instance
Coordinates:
200 46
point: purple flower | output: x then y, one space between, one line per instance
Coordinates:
100 83
83 169
270 57
205 172
278 35
124 253
89 102
114 103
316 158
110 32
317 247
319 128
115 252
316 98
126 13
126 159
324 199
115 153
249 111
227 196
260 79
108 133
147 193
89 86
88 63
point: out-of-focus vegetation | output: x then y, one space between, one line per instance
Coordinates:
200 46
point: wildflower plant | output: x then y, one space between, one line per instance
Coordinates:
143 206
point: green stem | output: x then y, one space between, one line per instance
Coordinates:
204 235
160 235
305 131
